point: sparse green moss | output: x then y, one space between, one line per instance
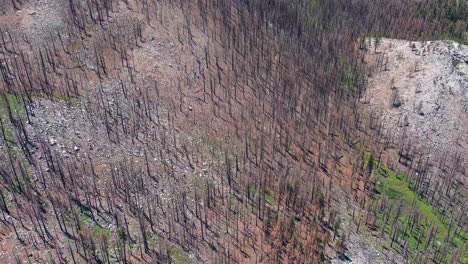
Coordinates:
252 190
348 76
269 197
14 102
17 109
97 228
178 255
67 99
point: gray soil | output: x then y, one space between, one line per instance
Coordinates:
421 92
360 245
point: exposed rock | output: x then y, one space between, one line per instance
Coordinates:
432 92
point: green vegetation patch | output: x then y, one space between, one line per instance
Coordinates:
397 206
252 190
97 228
178 255
269 197
348 76
12 102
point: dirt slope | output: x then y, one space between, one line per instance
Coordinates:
153 116
421 92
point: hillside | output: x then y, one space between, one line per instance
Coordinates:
221 131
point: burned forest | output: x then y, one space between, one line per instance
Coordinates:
233 131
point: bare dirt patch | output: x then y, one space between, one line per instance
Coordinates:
421 92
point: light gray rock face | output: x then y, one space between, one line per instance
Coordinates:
431 81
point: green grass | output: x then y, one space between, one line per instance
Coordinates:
14 102
178 255
67 99
396 188
455 37
16 107
57 96
252 190
348 76
269 197
97 228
